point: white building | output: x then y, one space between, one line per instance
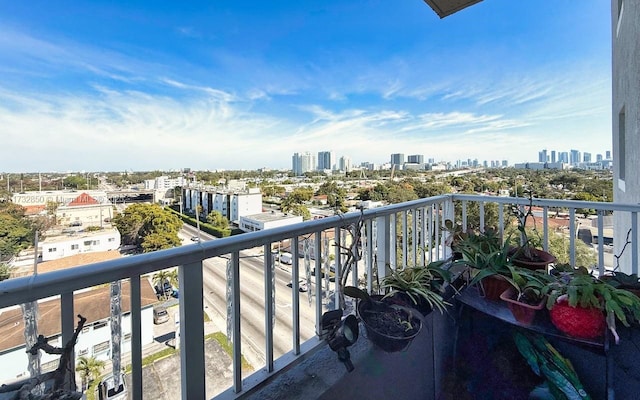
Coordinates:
231 204
267 220
303 162
93 341
76 242
164 182
85 210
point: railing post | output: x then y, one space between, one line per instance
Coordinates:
383 247
269 296
235 320
68 321
192 331
136 338
295 294
572 236
634 242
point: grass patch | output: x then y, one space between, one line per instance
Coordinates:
221 338
148 360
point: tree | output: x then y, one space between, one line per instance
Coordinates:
218 220
149 227
89 369
295 199
336 195
299 209
5 271
16 231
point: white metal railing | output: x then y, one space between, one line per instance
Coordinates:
397 235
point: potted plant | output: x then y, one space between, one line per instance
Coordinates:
389 326
526 255
421 287
525 298
581 305
488 258
621 280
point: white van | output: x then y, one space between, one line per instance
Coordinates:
285 258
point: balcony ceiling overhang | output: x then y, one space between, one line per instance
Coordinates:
447 7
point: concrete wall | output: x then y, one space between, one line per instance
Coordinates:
626 96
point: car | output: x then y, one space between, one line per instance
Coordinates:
195 239
160 315
285 258
166 289
302 285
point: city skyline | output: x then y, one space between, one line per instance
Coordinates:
244 86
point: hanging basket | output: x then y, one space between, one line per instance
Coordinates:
578 322
541 259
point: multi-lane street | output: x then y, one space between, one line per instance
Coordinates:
253 300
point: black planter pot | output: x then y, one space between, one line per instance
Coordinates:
385 339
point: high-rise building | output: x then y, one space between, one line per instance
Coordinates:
303 162
586 157
542 156
563 157
553 156
344 164
415 159
574 157
432 161
326 160
599 157
397 159
608 155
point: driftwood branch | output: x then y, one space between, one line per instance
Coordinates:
58 376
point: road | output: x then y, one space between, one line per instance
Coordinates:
252 301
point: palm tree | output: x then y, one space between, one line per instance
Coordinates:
160 277
89 369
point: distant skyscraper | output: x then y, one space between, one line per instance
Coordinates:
608 154
432 161
397 159
505 163
563 157
598 157
542 156
586 157
344 164
415 159
326 160
574 157
303 162
553 156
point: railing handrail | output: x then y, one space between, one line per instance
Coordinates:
30 288
605 206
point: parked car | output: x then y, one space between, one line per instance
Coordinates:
285 258
165 289
302 285
160 315
195 239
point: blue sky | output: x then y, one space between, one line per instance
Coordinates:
142 85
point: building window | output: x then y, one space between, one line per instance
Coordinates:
100 347
622 145
87 242
52 249
75 246
83 352
85 329
96 242
112 239
127 337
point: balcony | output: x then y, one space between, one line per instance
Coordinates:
289 359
